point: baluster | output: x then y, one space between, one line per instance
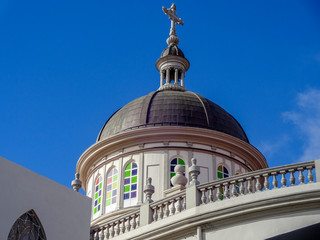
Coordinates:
128 225
155 213
118 228
266 181
92 235
122 227
101 234
172 208
241 187
134 223
161 212
138 220
301 177
292 178
274 181
167 212
219 194
249 187
258 183
233 189
226 190
283 178
178 205
310 175
203 196
107 233
112 232
96 235
211 196
184 203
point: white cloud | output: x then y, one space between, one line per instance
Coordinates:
307 119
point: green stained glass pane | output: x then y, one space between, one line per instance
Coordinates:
127 173
220 175
180 161
99 201
134 179
172 174
115 178
95 210
128 166
109 195
100 185
108 202
96 196
127 188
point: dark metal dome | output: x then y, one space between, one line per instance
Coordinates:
172 50
172 108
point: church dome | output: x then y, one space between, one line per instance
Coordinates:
172 108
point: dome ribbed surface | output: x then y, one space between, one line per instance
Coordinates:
172 108
172 50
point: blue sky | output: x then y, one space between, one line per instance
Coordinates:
66 66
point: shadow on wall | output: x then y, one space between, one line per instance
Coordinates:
307 233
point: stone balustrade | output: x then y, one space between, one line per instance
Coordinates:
269 179
257 181
168 206
116 226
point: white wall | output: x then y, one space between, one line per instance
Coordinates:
64 214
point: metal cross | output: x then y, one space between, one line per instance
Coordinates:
171 12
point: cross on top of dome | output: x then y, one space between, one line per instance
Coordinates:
172 64
171 12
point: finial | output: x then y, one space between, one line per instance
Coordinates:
171 12
194 171
76 183
179 179
149 190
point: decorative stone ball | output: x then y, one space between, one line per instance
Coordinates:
179 169
179 179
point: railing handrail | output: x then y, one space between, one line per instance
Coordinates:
257 173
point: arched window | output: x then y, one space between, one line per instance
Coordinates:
173 163
222 172
97 196
112 185
27 226
130 184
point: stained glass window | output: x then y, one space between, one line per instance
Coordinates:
97 195
173 163
130 183
112 189
27 227
222 172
